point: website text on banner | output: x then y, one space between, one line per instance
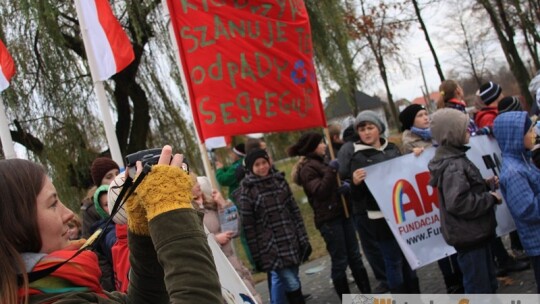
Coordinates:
248 65
411 207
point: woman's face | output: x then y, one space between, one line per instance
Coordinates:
261 167
109 177
53 218
529 139
321 149
421 120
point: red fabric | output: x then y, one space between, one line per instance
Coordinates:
248 65
119 41
6 62
486 116
457 101
82 271
120 256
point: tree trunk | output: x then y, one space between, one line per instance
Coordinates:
505 34
428 39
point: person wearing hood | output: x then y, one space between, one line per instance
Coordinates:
467 206
319 181
273 224
373 148
415 139
515 134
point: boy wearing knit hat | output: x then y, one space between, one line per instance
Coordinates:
467 206
509 104
373 148
415 125
491 94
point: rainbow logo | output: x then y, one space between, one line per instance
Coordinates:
397 201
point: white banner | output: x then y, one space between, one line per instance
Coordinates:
411 207
441 298
233 289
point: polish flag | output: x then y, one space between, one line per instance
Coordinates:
107 40
7 67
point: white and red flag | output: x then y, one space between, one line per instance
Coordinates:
7 67
107 40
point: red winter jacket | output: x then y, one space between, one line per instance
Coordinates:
486 116
120 257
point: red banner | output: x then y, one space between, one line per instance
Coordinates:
248 65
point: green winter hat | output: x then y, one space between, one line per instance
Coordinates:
103 188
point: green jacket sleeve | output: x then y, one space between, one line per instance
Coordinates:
183 252
226 176
146 283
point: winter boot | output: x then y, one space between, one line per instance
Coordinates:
362 280
341 286
295 297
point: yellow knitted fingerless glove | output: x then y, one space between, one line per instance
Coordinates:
165 188
137 222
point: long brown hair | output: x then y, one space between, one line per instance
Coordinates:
447 91
20 183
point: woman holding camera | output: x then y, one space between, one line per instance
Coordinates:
162 224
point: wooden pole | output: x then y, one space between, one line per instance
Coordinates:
332 156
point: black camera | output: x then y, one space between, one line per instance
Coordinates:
148 157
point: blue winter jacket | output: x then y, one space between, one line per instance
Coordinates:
520 179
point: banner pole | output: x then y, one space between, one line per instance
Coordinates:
332 156
202 147
103 105
5 133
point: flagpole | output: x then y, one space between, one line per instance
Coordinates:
5 133
332 156
103 105
202 147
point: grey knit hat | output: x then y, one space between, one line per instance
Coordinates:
372 117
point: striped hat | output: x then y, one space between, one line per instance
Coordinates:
489 92
509 104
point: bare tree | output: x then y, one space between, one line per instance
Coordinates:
428 39
498 14
382 31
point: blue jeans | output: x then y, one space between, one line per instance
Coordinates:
478 270
289 278
398 272
275 287
370 247
342 245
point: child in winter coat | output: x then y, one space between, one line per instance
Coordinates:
520 181
273 224
320 184
467 205
417 137
373 148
